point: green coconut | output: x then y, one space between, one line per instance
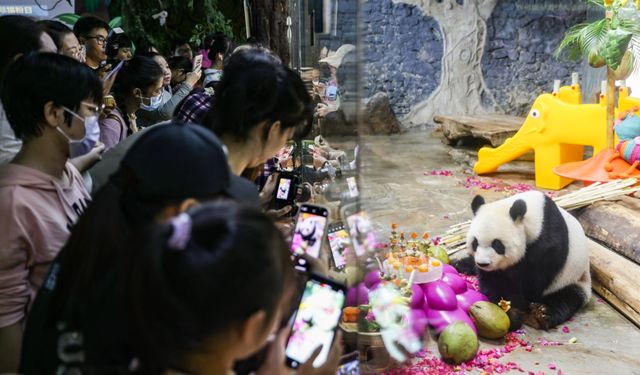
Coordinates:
625 68
439 253
595 60
457 343
490 320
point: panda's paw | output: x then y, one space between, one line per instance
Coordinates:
537 317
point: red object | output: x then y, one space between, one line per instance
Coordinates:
592 170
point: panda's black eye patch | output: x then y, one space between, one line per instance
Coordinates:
474 244
498 246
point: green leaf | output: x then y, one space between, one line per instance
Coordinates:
599 3
115 22
68 18
614 47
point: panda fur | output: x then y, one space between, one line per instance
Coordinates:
527 250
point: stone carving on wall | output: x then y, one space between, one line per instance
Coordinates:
463 24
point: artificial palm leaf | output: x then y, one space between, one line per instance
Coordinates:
115 22
68 18
614 47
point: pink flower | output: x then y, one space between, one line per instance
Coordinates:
565 329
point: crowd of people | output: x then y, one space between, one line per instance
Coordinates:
137 234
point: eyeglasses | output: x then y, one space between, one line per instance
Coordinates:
96 109
99 39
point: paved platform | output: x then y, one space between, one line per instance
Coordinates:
411 179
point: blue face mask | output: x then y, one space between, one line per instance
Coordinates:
79 147
154 103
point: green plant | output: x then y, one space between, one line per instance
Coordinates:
607 42
607 38
188 20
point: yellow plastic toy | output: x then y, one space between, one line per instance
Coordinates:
557 132
568 94
625 102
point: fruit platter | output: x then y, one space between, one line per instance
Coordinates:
431 294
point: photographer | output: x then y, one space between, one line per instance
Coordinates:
259 105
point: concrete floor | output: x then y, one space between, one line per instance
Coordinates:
396 187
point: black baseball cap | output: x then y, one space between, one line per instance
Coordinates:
179 160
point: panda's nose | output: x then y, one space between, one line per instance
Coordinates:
482 264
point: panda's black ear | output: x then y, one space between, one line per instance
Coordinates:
476 203
518 209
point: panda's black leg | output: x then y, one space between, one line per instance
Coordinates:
466 265
556 308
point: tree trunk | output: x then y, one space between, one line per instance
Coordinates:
464 28
270 26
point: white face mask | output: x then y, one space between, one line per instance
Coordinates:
154 103
79 147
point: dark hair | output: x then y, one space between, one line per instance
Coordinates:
38 78
220 43
86 24
56 30
18 34
139 72
144 46
180 62
99 243
179 42
115 42
234 264
256 88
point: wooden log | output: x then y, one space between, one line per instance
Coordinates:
614 223
493 128
616 279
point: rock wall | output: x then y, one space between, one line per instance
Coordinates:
518 62
403 51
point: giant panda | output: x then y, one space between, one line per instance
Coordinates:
527 250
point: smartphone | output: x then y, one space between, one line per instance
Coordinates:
349 364
353 187
197 63
331 93
360 229
339 243
114 71
315 321
309 231
286 189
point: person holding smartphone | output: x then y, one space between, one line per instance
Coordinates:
259 105
169 98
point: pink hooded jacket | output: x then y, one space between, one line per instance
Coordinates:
36 214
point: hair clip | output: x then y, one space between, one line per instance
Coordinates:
181 231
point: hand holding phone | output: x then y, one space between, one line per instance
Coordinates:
113 71
315 323
197 63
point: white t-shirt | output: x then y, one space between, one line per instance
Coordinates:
9 144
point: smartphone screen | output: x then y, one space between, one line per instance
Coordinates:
309 231
284 188
361 232
339 244
197 62
114 71
353 187
315 321
331 93
350 365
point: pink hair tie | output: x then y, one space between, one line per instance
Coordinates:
181 231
